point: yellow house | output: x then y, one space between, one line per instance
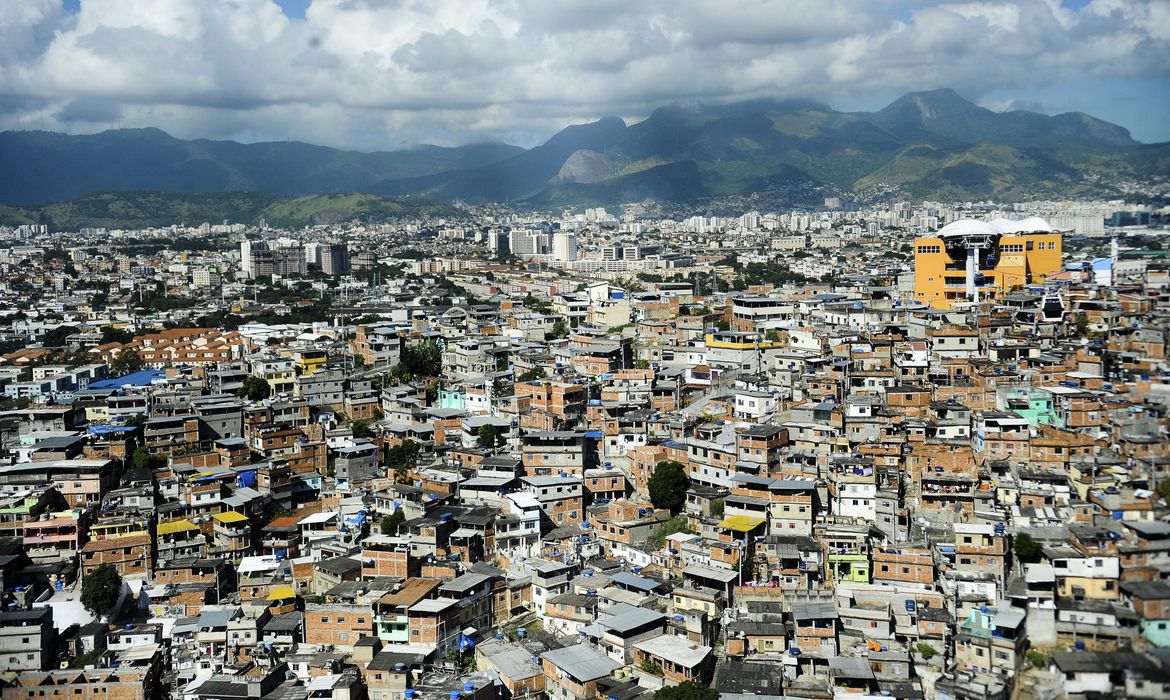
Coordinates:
117 527
708 600
978 260
1082 577
309 361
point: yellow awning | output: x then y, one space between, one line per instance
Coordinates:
281 593
230 516
173 526
741 523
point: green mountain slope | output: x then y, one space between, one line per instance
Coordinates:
146 209
58 167
932 144
928 144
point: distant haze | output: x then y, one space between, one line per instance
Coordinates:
384 74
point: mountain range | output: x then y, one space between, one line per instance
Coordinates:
928 144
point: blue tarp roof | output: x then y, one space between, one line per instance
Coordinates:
142 377
107 429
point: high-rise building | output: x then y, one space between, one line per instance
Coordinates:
974 261
334 258
523 242
247 255
313 254
565 246
497 240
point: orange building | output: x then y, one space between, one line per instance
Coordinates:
971 260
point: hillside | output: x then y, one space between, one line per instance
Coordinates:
58 167
146 209
931 144
927 144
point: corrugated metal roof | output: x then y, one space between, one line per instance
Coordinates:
741 523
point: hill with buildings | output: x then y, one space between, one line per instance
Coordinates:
147 209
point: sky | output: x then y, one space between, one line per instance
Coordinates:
385 74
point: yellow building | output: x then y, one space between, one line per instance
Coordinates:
972 260
309 361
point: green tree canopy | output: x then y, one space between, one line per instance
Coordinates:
361 428
126 363
55 338
673 526
391 522
1027 549
531 375
668 486
254 388
401 458
143 459
1164 489
422 360
100 589
490 437
690 690
111 334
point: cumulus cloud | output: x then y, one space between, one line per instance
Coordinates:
383 73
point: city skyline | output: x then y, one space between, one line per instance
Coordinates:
379 76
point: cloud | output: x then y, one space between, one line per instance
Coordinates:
91 110
381 73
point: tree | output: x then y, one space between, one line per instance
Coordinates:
424 359
1038 659
1163 489
111 334
55 338
531 375
668 486
691 690
642 364
402 458
100 590
1081 326
361 428
143 459
254 388
391 522
126 363
925 650
651 666
490 437
560 329
673 526
1027 549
